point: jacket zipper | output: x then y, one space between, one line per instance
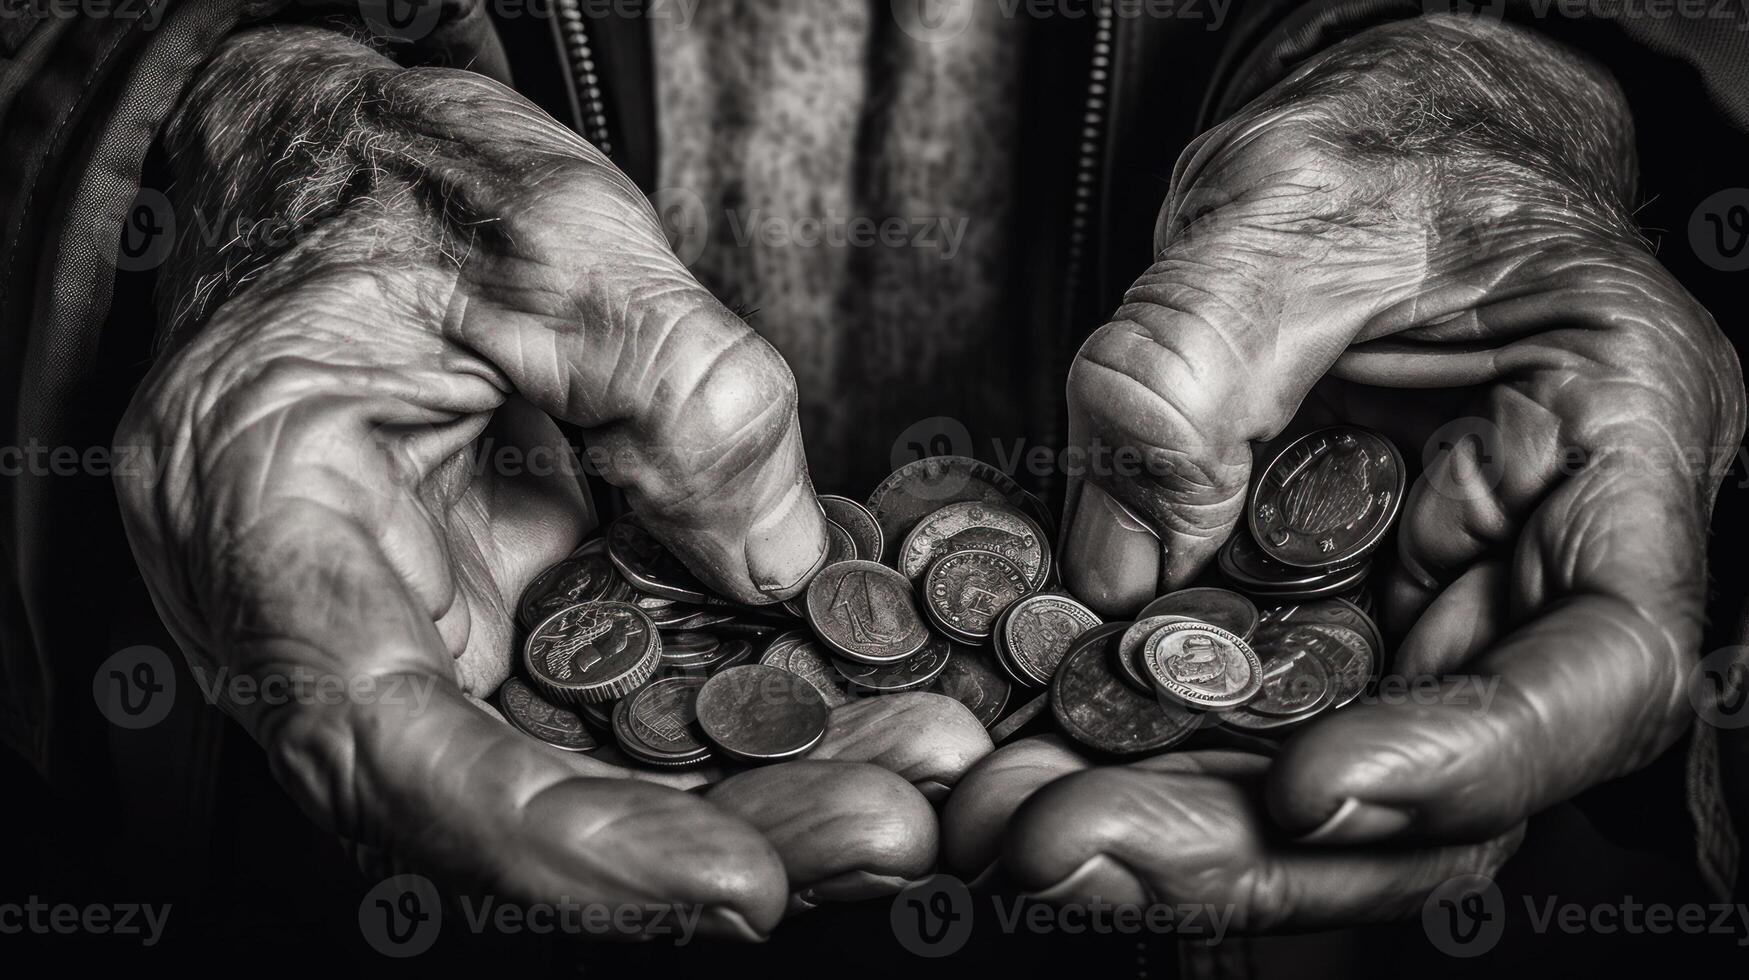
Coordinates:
586 94
1090 167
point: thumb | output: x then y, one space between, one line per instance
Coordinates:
1214 348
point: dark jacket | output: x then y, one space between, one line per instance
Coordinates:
82 99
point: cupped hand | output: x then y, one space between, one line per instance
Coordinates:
361 472
1424 231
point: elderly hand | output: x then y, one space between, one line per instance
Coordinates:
1425 230
433 269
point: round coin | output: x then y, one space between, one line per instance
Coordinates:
530 712
649 566
1328 498
840 546
585 576
965 591
593 652
919 488
980 526
1096 708
861 525
797 653
1037 633
1350 659
1343 613
970 679
918 670
865 611
658 726
1345 655
1296 681
1217 607
1251 571
760 713
1204 667
1129 649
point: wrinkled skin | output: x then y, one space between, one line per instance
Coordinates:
465 271
1427 224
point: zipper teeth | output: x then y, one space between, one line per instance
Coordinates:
583 75
1092 145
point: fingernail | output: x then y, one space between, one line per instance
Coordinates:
1111 560
787 547
1358 822
802 901
722 923
1100 877
854 886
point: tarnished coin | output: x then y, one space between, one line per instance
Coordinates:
970 679
585 576
696 619
1022 716
916 671
1341 613
1204 667
797 653
760 713
530 712
658 726
1328 498
1037 633
965 591
649 566
840 546
1346 653
1129 649
865 611
703 656
855 519
1296 681
1216 607
1098 709
927 485
1255 573
593 652
977 526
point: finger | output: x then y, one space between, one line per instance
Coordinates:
1214 348
929 739
978 812
425 775
1188 830
573 293
844 830
1461 621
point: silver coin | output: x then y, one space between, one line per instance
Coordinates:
965 591
648 565
592 652
1251 571
1129 649
1296 682
1037 634
1346 614
976 525
535 716
586 575
859 522
865 612
658 725
840 546
797 653
1328 498
1217 607
916 671
759 713
918 488
1096 708
970 679
1203 667
1350 660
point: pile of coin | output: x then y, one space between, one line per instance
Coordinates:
945 580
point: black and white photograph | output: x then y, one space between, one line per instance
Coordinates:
1154 489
